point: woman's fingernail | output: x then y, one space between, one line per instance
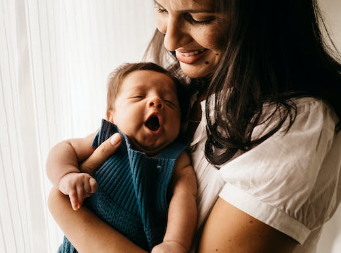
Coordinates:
115 139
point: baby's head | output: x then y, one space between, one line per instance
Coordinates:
147 104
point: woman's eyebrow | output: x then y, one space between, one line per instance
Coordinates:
190 10
156 3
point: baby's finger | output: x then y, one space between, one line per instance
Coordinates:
81 195
93 185
102 153
74 200
90 185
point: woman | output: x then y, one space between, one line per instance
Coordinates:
266 121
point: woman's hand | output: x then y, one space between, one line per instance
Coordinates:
169 247
102 153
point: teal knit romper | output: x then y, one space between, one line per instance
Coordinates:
131 194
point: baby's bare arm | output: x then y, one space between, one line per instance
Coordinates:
65 157
63 171
70 170
182 214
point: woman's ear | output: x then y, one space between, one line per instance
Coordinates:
110 116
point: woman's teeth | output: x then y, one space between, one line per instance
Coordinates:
192 53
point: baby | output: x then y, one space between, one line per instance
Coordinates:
147 189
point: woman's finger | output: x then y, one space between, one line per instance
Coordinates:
102 153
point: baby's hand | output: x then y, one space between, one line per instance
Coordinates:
169 247
78 186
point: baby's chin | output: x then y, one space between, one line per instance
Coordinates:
150 150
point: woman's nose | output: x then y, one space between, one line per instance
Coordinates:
176 34
155 102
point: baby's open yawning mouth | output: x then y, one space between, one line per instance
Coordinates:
153 123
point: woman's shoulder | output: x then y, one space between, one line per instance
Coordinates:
293 174
312 132
314 117
310 114
313 105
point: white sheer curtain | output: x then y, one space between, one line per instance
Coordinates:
54 60
55 56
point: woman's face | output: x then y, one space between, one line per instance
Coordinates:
195 30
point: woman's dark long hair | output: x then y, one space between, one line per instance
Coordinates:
275 52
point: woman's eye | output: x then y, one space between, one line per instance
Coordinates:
205 21
159 9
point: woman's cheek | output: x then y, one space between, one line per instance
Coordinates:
161 24
215 42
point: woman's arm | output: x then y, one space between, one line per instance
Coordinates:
85 230
228 229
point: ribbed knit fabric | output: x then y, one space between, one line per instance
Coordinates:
132 190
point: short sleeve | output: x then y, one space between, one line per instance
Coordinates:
290 181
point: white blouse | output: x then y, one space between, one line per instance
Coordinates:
290 181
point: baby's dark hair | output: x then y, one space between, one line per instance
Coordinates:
117 77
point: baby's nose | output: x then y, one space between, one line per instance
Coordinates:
156 102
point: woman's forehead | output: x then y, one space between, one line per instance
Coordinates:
208 5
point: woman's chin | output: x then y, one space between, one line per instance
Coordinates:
202 70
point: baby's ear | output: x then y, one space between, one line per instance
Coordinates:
110 116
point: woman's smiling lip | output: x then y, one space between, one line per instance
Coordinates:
190 56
